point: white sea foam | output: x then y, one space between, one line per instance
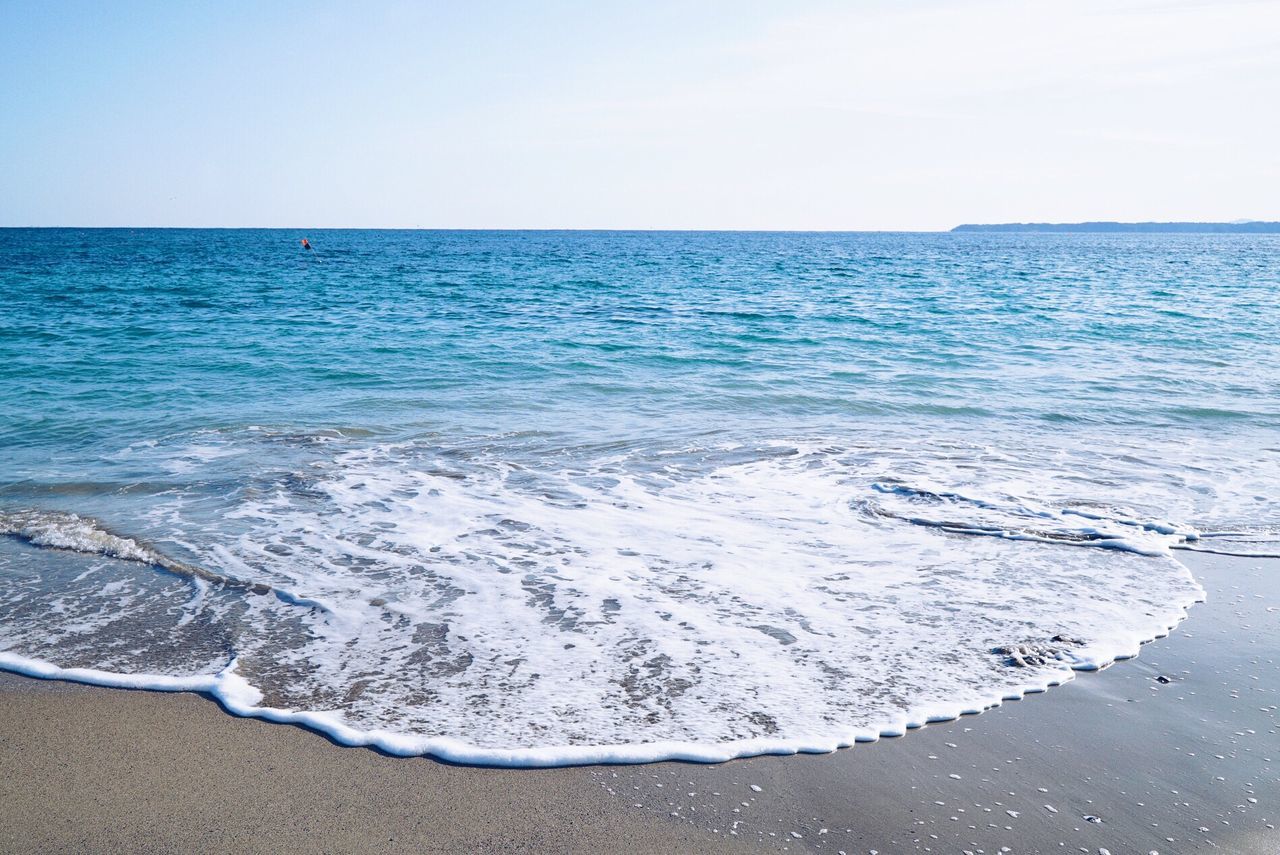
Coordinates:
70 531
621 606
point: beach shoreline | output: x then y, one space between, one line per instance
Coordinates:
1170 752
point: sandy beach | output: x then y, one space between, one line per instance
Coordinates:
1174 752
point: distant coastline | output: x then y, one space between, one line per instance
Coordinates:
1250 227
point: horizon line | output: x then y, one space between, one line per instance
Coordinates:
1031 226
486 229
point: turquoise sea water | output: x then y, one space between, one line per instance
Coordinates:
557 493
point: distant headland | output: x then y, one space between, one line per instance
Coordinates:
1239 227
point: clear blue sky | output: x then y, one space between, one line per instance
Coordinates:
825 115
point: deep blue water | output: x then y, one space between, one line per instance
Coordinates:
114 335
717 401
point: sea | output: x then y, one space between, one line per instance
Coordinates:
543 498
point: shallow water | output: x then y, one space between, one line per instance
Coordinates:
537 497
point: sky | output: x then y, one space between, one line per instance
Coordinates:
854 115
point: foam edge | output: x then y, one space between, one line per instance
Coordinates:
235 695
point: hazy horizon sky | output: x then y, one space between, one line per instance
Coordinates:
720 115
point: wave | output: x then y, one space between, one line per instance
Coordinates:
69 531
1014 521
1114 529
74 533
615 604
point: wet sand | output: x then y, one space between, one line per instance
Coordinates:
1175 752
